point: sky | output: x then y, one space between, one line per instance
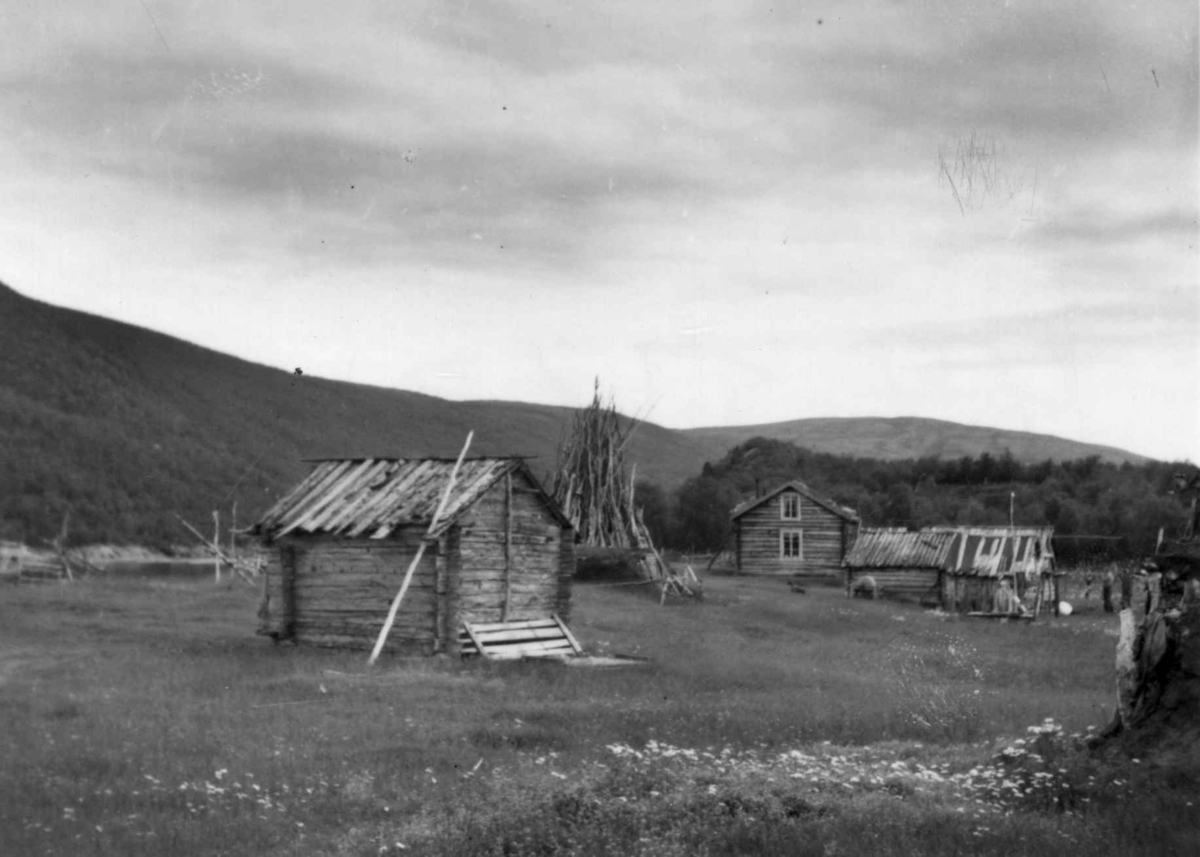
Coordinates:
731 212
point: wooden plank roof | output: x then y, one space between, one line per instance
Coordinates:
800 488
976 551
373 497
889 547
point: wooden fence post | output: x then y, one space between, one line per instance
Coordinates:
217 541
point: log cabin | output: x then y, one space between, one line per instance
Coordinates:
956 569
794 531
342 539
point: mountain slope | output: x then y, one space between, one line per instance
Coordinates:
905 437
125 427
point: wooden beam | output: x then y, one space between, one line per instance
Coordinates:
216 541
486 627
287 568
232 532
439 596
567 633
215 549
508 527
475 640
391 616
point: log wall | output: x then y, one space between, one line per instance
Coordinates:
336 592
535 558
566 573
826 539
919 585
270 605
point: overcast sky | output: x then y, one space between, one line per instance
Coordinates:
732 212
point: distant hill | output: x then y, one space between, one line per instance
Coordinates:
905 437
126 427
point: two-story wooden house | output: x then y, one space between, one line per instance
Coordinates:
793 531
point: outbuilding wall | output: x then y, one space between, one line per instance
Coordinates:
535 556
331 591
920 585
964 593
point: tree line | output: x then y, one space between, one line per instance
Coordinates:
1127 502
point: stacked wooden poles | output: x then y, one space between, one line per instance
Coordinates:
592 488
412 566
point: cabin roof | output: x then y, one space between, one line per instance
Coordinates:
975 551
799 487
373 497
891 547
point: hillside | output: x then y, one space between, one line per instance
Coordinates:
892 439
126 426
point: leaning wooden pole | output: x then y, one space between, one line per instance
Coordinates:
215 549
412 566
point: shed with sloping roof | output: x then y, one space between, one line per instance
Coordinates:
899 563
343 538
955 568
978 558
793 530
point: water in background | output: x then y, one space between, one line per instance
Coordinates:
182 571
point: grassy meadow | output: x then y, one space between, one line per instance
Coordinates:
143 716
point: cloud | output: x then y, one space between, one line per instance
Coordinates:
1056 78
1103 227
307 143
766 174
1073 334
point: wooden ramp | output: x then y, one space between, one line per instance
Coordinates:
991 614
531 638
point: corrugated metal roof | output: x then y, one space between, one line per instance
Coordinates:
980 551
799 487
372 497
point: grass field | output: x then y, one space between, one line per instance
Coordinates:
145 717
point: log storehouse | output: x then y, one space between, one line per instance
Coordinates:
792 530
343 538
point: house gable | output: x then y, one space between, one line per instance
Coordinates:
797 488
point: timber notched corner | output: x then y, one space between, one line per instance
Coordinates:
342 538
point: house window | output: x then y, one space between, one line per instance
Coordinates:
791 544
790 508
